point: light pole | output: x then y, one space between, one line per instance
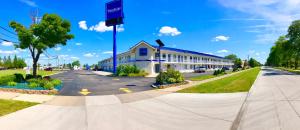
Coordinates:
160 44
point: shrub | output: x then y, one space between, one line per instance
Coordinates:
46 77
170 76
33 85
5 79
19 78
171 80
218 72
56 82
11 83
140 74
126 70
29 76
49 86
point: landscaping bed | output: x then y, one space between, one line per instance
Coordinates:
30 84
170 78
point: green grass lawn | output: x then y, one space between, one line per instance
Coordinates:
40 72
202 77
9 106
240 82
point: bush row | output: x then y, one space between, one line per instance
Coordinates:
130 70
219 71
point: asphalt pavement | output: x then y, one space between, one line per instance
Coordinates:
75 81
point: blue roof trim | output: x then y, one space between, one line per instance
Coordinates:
187 51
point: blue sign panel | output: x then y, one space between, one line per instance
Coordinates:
114 10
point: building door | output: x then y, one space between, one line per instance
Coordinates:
156 68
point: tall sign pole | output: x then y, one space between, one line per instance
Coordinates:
115 49
114 16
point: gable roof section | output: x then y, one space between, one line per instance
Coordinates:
141 42
187 51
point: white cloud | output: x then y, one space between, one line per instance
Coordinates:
100 27
221 38
57 48
82 25
278 14
29 2
107 52
78 44
63 56
74 58
89 55
9 52
223 51
5 43
21 50
168 31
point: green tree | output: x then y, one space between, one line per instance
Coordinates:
1 62
294 39
50 32
77 63
15 62
237 61
231 57
253 63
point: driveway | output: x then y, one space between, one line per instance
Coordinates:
74 81
273 103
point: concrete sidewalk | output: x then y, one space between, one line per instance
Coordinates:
26 97
176 111
273 103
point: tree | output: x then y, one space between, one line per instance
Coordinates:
294 39
253 63
15 62
77 63
50 32
231 57
1 62
237 61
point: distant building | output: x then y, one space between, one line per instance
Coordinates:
145 56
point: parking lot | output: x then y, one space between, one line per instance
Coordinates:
75 81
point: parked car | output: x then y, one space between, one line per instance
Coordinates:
225 68
200 70
48 69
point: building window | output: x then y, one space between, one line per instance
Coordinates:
178 58
164 56
169 57
185 67
143 51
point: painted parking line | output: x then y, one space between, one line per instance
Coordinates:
115 79
84 92
126 90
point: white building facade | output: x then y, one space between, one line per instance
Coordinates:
145 57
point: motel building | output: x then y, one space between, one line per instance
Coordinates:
145 57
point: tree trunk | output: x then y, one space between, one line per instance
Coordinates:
34 68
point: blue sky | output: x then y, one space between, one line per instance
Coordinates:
219 27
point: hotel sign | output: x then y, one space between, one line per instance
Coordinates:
114 13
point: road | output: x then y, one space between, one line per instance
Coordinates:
74 81
273 103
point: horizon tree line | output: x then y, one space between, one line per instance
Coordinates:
286 51
9 63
